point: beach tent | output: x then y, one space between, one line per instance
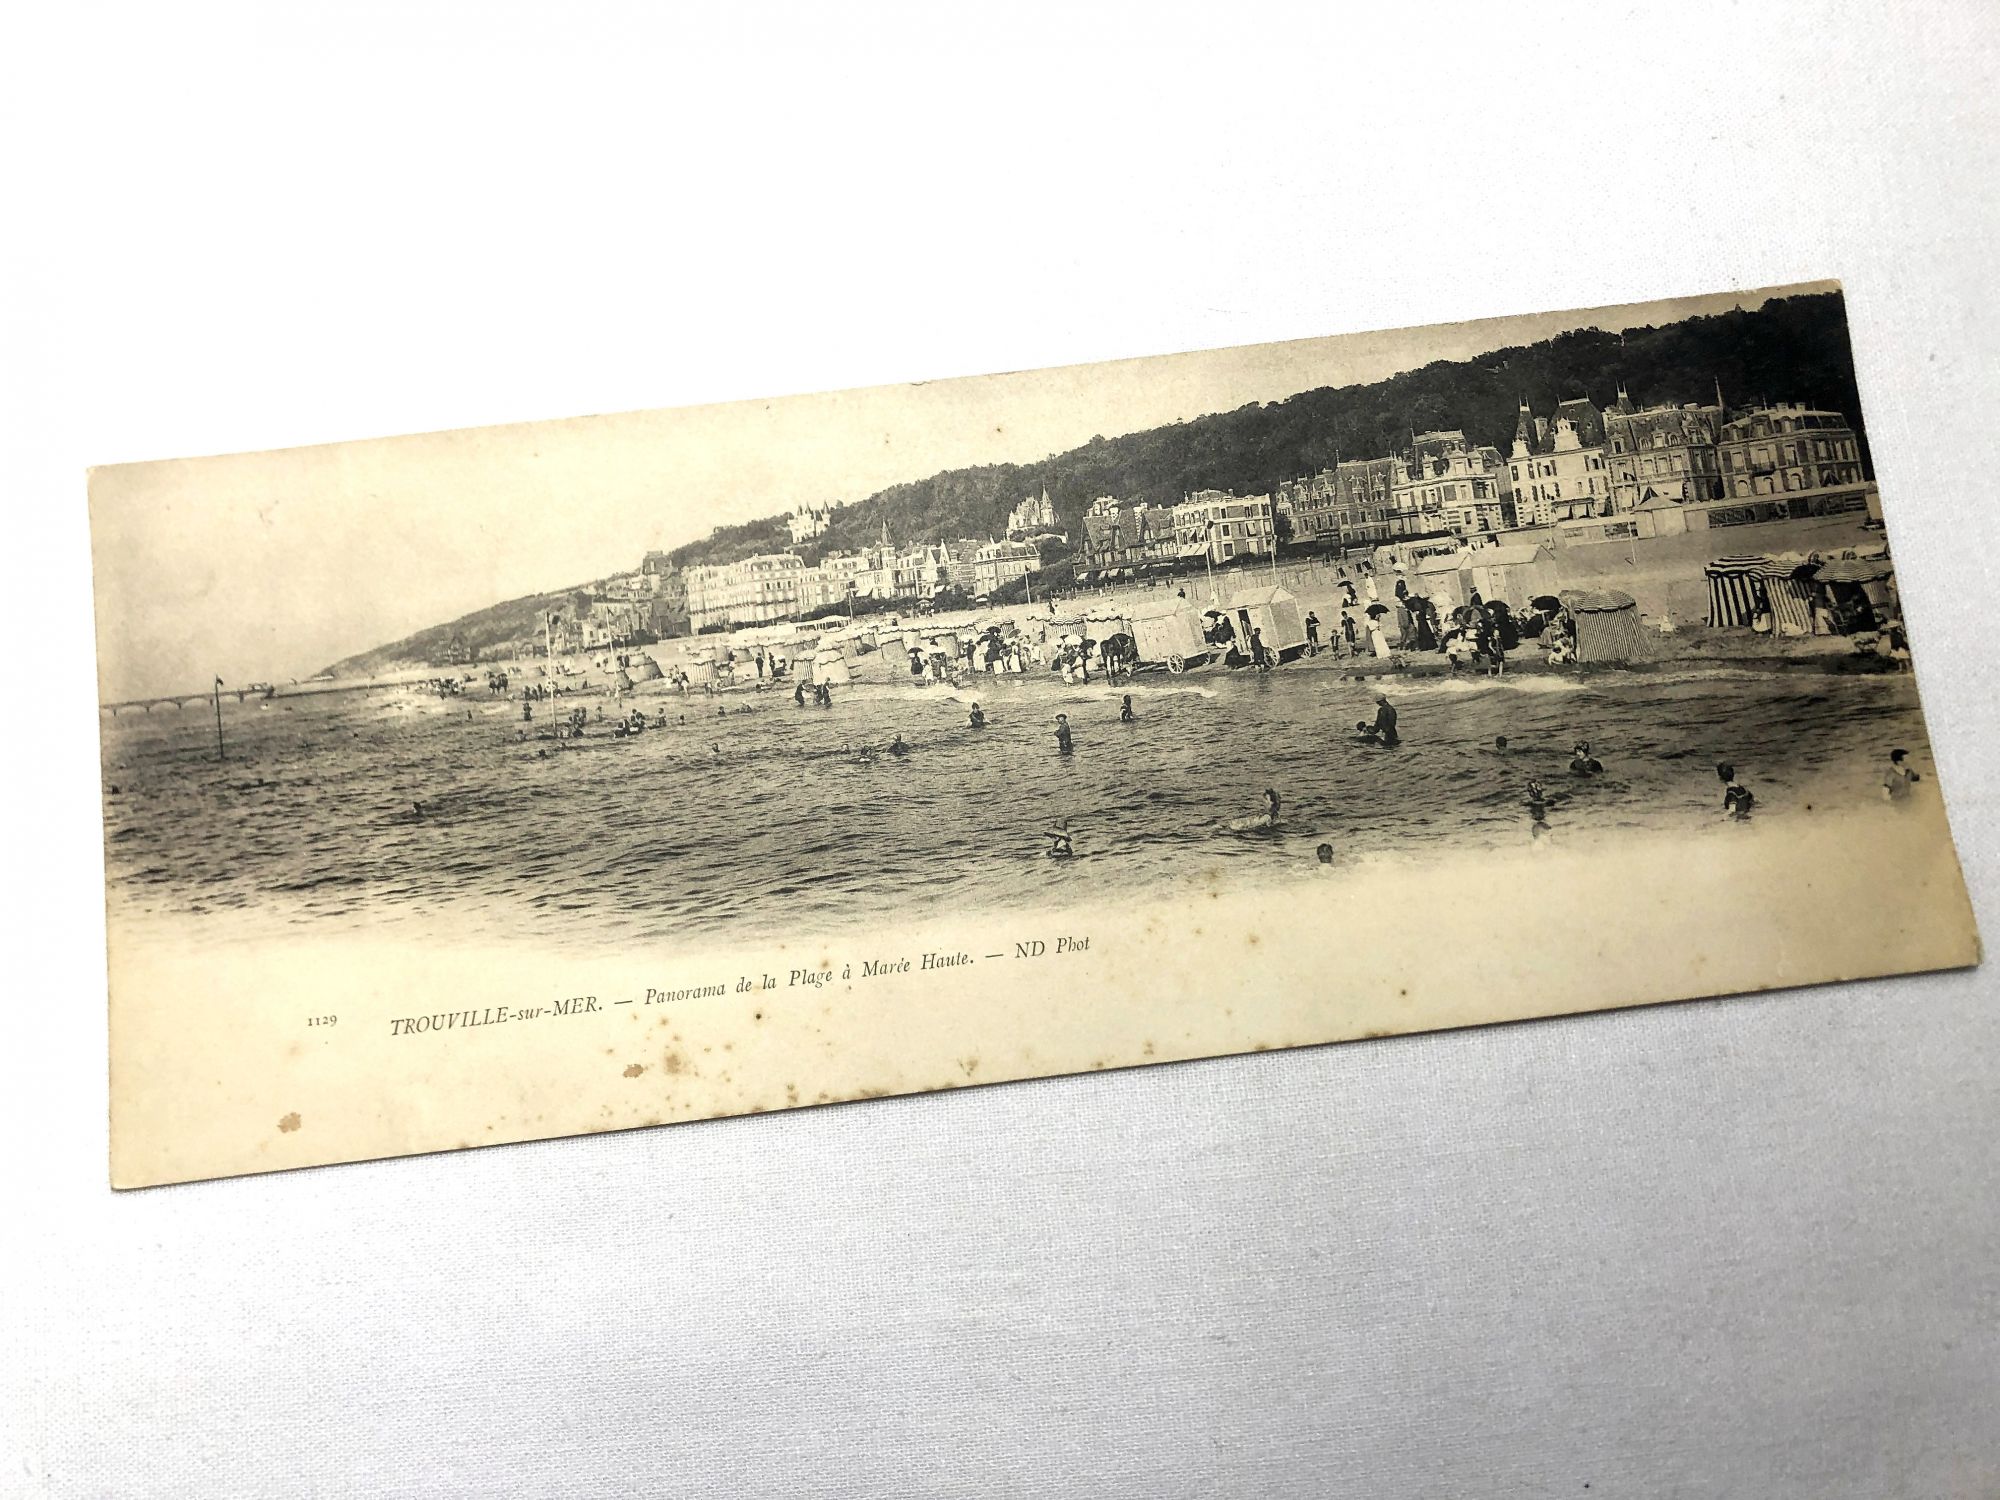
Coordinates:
1607 625
642 667
830 667
1515 573
1275 611
1742 588
1856 592
1167 632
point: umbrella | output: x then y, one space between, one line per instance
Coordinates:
1072 640
1546 602
1376 611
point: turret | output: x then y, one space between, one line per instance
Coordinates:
1524 433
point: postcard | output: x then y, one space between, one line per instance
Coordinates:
531 781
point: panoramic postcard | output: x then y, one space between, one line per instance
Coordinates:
586 775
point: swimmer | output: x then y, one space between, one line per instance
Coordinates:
1324 854
1367 732
1538 804
897 747
1582 763
1059 841
799 696
1737 800
1268 818
1900 779
1500 744
977 718
1125 714
1385 722
715 753
1063 741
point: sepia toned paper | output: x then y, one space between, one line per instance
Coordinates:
372 891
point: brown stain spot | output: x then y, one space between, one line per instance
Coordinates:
633 1070
822 1097
757 1015
1252 939
673 1062
729 1046
968 1065
1148 1049
1261 1047
873 1094
791 1093
1404 993
663 1020
1373 1035
290 1123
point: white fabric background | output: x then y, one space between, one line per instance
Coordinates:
1730 1248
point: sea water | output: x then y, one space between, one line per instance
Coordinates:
424 818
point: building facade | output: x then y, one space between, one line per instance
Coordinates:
1661 453
998 564
1224 527
809 520
754 591
1446 484
1036 513
1556 466
1787 450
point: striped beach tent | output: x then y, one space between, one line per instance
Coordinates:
1735 591
1742 588
1607 625
1789 593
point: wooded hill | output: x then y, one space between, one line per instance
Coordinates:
1791 349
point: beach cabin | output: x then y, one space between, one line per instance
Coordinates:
1514 574
1167 633
1657 516
1607 625
1275 612
1438 579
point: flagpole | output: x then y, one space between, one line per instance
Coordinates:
217 693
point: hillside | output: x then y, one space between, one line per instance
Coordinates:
1791 349
495 626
